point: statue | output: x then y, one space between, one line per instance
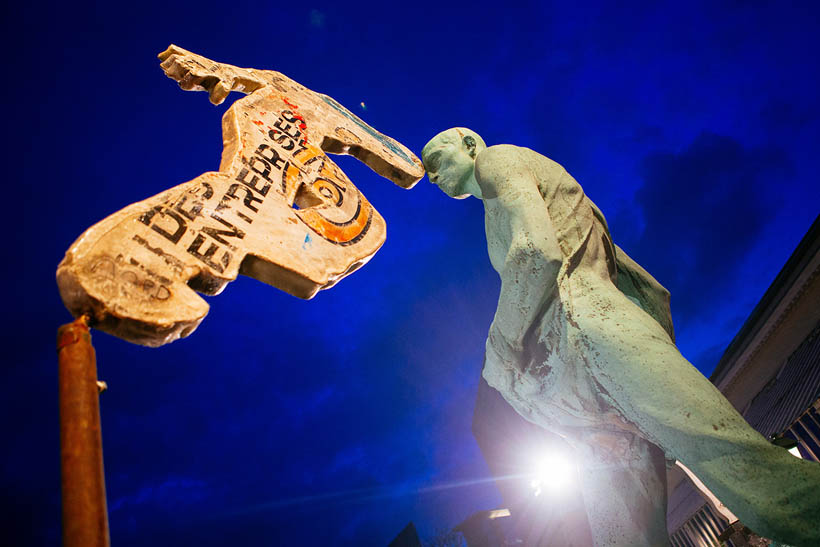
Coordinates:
278 210
582 345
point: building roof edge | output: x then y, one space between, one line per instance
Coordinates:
762 313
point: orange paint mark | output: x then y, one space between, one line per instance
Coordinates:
333 232
291 182
259 122
308 153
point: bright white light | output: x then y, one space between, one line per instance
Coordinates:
554 473
795 452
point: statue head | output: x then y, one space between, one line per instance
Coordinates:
449 159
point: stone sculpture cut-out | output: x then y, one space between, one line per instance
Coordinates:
278 210
582 344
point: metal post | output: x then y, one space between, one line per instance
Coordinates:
85 516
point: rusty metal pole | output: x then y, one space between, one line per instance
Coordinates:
85 516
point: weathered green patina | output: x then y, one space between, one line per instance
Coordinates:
582 344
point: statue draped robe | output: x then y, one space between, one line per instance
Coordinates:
599 367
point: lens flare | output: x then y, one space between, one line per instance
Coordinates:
554 473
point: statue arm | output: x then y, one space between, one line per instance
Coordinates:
530 267
638 284
197 73
600 216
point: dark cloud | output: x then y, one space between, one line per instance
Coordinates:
781 115
704 208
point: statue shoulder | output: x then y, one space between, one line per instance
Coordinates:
498 159
502 165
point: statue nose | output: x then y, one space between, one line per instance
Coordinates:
433 177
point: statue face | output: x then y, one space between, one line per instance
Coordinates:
448 163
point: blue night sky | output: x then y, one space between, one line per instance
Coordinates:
336 421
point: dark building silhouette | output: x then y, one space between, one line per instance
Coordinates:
408 537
